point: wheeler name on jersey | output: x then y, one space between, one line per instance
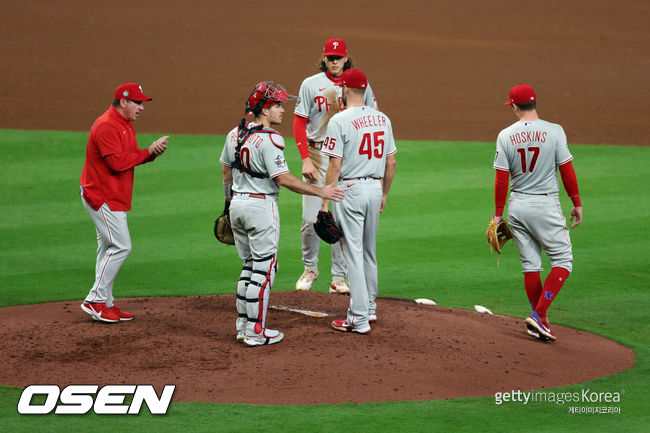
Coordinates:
368 121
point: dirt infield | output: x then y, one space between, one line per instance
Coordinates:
414 352
440 70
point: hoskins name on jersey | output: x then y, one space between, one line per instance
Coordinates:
528 136
368 121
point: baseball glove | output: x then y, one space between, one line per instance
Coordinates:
498 234
326 228
222 229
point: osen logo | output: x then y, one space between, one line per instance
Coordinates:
78 399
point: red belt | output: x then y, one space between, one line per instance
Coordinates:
315 144
527 193
262 196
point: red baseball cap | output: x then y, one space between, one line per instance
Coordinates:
521 94
354 78
131 91
335 47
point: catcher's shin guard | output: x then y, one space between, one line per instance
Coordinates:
257 293
242 286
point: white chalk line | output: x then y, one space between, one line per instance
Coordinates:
296 310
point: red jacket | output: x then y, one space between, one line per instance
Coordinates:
112 153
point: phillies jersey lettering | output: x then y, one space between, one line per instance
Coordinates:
319 99
368 121
524 137
323 104
261 152
531 151
362 137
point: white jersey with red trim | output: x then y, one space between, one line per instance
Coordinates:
362 137
262 152
531 151
319 99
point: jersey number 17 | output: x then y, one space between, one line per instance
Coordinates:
522 155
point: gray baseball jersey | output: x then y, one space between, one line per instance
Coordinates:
262 152
362 137
255 222
531 151
319 98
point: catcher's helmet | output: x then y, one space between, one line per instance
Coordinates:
266 94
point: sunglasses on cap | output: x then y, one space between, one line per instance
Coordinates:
134 101
332 58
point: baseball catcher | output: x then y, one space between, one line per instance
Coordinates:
498 234
254 169
326 228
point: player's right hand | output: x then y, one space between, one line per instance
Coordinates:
308 170
383 203
576 213
331 192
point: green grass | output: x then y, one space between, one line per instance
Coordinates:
430 245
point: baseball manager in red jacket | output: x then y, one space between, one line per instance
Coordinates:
106 182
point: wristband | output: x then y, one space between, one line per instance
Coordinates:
227 190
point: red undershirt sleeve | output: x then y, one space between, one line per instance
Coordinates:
500 191
570 183
300 134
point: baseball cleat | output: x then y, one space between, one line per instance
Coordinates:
241 335
267 336
306 279
530 330
540 325
123 315
340 286
343 326
100 312
372 318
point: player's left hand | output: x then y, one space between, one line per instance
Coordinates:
576 213
383 204
159 146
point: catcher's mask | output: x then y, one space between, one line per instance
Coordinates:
266 94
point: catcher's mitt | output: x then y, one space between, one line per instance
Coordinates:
222 230
326 228
498 234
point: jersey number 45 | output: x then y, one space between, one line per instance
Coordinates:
372 146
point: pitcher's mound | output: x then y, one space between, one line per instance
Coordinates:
414 352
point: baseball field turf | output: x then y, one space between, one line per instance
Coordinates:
430 245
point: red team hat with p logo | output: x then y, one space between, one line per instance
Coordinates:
354 78
521 94
335 47
131 91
